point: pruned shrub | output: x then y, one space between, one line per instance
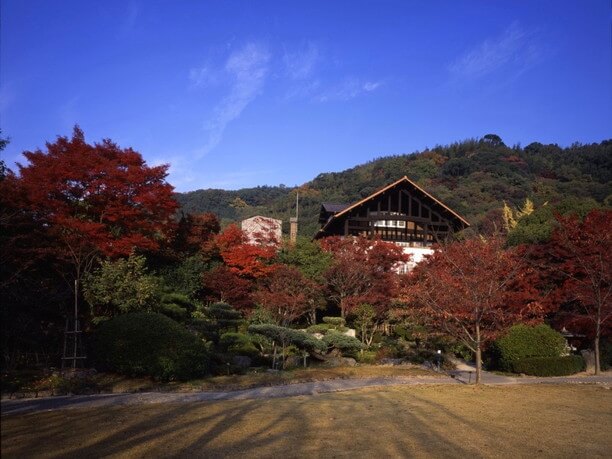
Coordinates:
149 344
336 322
523 342
288 336
549 366
347 345
238 344
318 328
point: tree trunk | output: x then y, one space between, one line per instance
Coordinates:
597 334
342 313
478 355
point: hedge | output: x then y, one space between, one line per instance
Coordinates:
149 344
522 342
549 366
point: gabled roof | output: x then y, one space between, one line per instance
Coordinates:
404 179
333 207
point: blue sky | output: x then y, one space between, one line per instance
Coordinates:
244 93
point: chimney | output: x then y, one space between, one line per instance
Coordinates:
293 221
293 229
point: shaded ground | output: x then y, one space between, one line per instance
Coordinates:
416 421
20 385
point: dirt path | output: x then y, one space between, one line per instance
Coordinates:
310 388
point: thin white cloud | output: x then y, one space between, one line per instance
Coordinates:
300 64
246 70
348 89
515 47
203 76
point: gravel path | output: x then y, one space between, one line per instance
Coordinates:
290 390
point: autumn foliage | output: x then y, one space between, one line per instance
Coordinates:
97 195
583 250
362 271
473 290
244 258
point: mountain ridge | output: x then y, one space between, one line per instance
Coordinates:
474 177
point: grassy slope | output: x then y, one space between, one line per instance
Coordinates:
418 421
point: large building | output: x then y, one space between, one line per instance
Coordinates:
402 213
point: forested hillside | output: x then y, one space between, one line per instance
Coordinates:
474 177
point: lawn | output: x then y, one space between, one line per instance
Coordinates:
415 421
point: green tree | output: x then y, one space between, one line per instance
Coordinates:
365 321
121 286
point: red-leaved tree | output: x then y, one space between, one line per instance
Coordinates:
223 285
362 271
583 250
247 259
96 199
473 290
287 294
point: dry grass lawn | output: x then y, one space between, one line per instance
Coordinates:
406 421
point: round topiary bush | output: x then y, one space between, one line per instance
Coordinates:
149 344
523 342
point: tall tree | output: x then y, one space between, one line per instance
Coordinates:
362 270
96 199
584 249
474 289
287 294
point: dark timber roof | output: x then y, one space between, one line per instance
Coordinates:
335 212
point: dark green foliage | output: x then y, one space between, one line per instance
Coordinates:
177 306
149 344
307 256
472 177
537 227
347 345
238 344
335 322
319 328
522 342
289 336
214 320
224 315
549 366
185 277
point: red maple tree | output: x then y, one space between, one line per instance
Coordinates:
287 294
96 199
223 285
473 290
195 234
251 259
582 252
362 271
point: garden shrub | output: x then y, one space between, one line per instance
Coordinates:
149 344
522 342
288 336
549 366
238 344
367 357
318 328
336 322
347 345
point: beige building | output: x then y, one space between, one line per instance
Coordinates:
263 230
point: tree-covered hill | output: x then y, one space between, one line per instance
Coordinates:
474 177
